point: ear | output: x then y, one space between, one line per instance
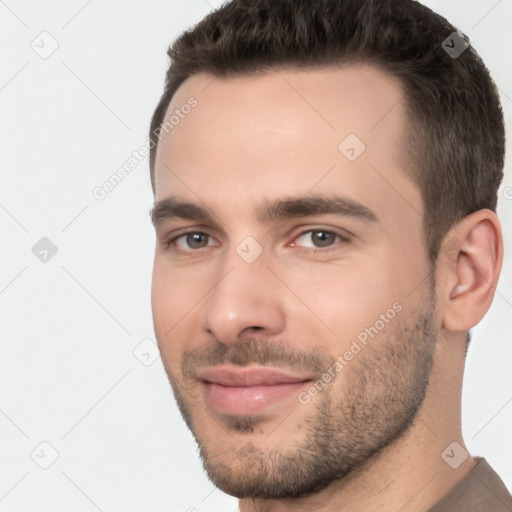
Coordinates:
469 266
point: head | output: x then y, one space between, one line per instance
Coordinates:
324 206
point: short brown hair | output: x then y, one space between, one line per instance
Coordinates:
456 136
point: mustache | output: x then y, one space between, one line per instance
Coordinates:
256 351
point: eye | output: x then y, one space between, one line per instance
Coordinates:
318 238
314 239
190 241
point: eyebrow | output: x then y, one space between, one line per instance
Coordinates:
270 211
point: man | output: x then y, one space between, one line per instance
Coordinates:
325 177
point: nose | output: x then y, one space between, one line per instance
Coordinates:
245 299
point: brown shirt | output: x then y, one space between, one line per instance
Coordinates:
481 490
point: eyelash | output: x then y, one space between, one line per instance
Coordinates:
171 241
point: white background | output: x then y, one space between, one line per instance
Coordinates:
68 375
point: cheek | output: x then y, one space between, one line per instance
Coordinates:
343 298
174 291
161 299
171 302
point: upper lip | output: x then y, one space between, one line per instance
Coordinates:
227 375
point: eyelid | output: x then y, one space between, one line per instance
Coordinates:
175 235
343 235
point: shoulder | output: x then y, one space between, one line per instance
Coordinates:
481 490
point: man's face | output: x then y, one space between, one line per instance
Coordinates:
335 302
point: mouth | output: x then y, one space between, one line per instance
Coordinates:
232 390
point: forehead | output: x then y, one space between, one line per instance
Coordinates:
286 130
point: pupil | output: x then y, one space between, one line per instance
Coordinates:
195 240
323 239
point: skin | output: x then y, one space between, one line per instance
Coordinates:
373 438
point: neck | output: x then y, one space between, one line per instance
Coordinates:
410 475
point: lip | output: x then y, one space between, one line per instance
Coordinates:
228 375
243 391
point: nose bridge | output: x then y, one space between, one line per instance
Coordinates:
243 296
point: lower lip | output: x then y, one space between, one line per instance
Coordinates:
249 399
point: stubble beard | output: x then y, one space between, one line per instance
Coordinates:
383 389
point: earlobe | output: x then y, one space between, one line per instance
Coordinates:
471 272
